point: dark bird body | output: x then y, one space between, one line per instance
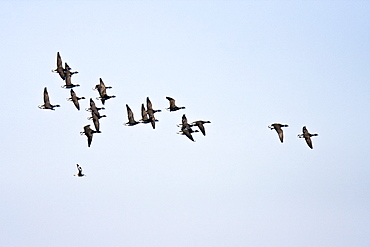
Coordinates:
93 107
47 104
278 128
89 133
60 69
79 174
173 106
75 99
307 136
95 119
186 128
151 112
102 89
68 77
130 115
200 125
144 115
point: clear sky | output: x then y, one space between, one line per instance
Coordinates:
242 65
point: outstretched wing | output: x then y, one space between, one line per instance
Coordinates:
184 121
172 102
130 115
201 127
74 99
187 133
144 114
152 119
279 131
59 61
89 139
95 118
148 104
102 89
46 96
309 141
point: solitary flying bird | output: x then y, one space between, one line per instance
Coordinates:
47 104
79 174
307 136
277 127
173 106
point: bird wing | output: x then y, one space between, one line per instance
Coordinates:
89 140
172 102
187 133
92 103
46 96
130 115
144 114
201 127
152 118
68 79
74 99
59 61
102 89
87 129
281 135
148 103
278 129
309 141
96 121
184 121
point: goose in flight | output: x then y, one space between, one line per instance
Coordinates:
144 115
307 136
95 116
79 174
200 125
186 129
173 106
93 107
47 104
68 76
59 69
102 89
75 99
130 115
151 112
89 133
278 128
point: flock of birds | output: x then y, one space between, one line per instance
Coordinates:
147 115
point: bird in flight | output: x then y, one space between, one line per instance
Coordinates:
307 136
47 104
173 106
79 174
278 128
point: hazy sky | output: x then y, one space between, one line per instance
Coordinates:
242 65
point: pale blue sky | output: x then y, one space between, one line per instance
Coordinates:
240 64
